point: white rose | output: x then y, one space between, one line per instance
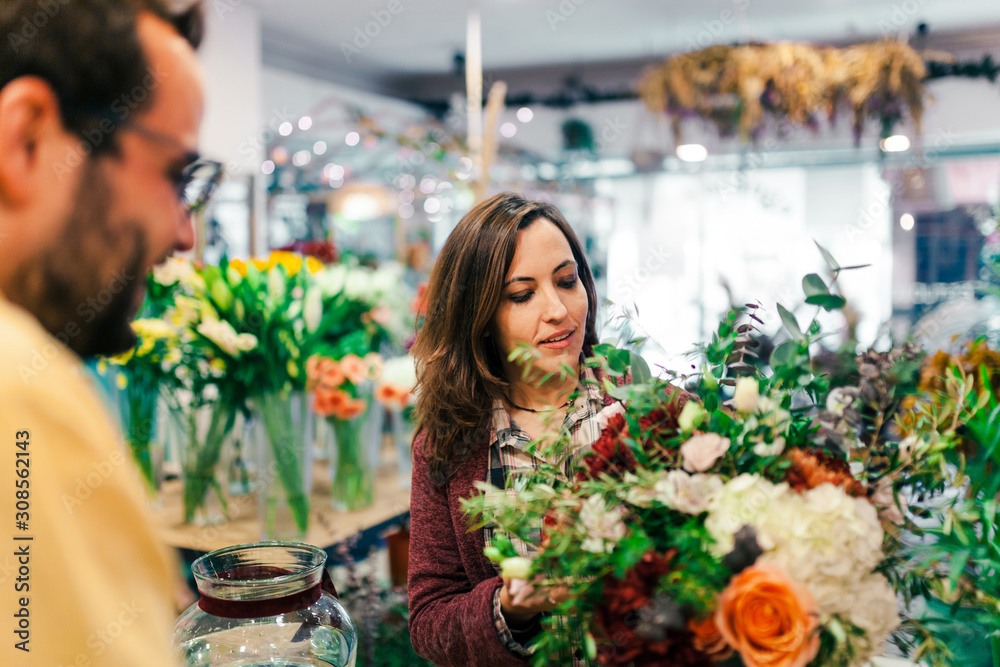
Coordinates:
773 449
691 417
686 493
605 526
702 451
746 397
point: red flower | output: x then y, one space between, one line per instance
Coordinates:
629 614
611 453
812 467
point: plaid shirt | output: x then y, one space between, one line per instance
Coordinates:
508 457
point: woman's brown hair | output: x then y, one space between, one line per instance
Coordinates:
459 368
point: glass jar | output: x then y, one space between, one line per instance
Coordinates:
270 603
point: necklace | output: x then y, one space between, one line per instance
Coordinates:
515 405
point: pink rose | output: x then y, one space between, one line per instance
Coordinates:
701 452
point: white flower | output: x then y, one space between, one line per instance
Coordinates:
769 449
174 270
746 396
331 279
741 501
276 286
838 400
702 451
399 372
358 285
691 416
686 493
222 334
604 416
312 311
605 527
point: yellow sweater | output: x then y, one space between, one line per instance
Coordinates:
89 585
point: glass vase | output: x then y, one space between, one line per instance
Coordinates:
403 429
354 449
139 406
265 604
284 465
204 428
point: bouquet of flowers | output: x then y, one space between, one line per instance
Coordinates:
763 516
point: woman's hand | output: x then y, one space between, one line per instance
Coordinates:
521 601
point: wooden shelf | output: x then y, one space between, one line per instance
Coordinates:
327 526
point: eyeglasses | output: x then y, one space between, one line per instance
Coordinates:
198 179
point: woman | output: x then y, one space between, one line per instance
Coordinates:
511 273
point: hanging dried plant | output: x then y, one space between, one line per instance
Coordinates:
738 88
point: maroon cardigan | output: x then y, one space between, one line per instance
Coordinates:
451 582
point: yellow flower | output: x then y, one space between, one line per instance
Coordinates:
122 381
313 264
217 365
259 264
240 266
289 260
123 358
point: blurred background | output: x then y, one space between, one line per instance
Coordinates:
350 123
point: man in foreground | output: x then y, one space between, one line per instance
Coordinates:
100 107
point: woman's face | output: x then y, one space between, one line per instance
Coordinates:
543 302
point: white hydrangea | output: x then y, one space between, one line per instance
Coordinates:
824 539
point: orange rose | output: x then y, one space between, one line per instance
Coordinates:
331 376
768 618
354 368
709 640
328 402
352 409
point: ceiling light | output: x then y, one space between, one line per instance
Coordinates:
319 147
279 155
305 123
352 138
906 221
524 114
508 130
267 167
285 129
692 152
895 144
301 158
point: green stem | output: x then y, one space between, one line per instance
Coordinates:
352 480
139 398
287 449
201 459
